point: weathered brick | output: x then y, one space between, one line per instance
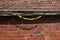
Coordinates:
47 31
30 5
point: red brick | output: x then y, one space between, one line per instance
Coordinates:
11 32
30 5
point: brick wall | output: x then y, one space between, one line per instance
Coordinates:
30 5
43 31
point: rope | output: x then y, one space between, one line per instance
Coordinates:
25 18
